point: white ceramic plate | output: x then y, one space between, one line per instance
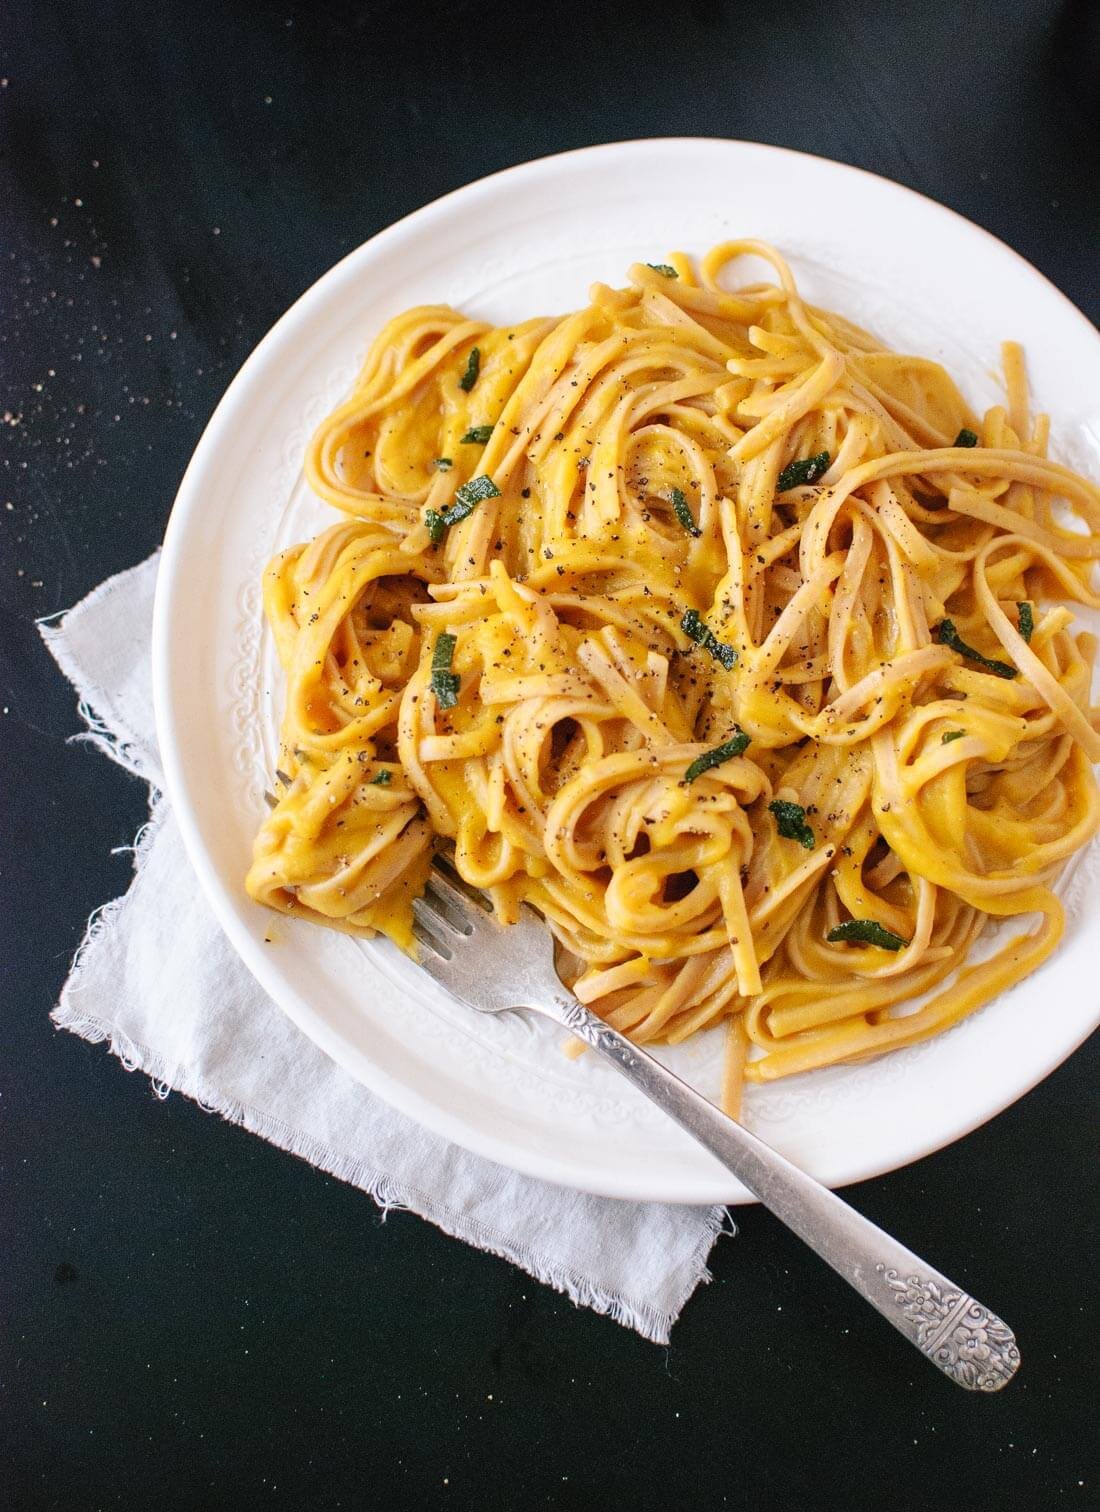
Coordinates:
524 242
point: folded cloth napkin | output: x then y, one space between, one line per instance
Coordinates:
157 979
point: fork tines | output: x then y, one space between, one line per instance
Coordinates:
448 911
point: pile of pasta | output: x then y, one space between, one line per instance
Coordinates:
731 642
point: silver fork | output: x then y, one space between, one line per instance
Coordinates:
496 969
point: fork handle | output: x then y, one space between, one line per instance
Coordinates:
971 1345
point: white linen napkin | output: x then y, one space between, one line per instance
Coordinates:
156 978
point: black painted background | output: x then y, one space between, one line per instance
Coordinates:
191 1319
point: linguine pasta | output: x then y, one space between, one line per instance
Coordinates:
729 640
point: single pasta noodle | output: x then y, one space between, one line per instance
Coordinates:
730 641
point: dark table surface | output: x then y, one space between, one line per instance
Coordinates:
191 1318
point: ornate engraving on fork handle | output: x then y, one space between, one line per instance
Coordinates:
972 1346
588 1026
968 1342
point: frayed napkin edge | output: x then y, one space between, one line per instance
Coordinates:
653 1324
116 740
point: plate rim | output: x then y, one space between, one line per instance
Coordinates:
404 1098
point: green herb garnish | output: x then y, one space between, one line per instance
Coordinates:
467 498
790 821
950 735
473 368
1025 622
442 464
436 528
445 683
726 752
683 513
381 779
693 627
666 270
949 636
805 470
866 932
468 495
477 435
966 438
